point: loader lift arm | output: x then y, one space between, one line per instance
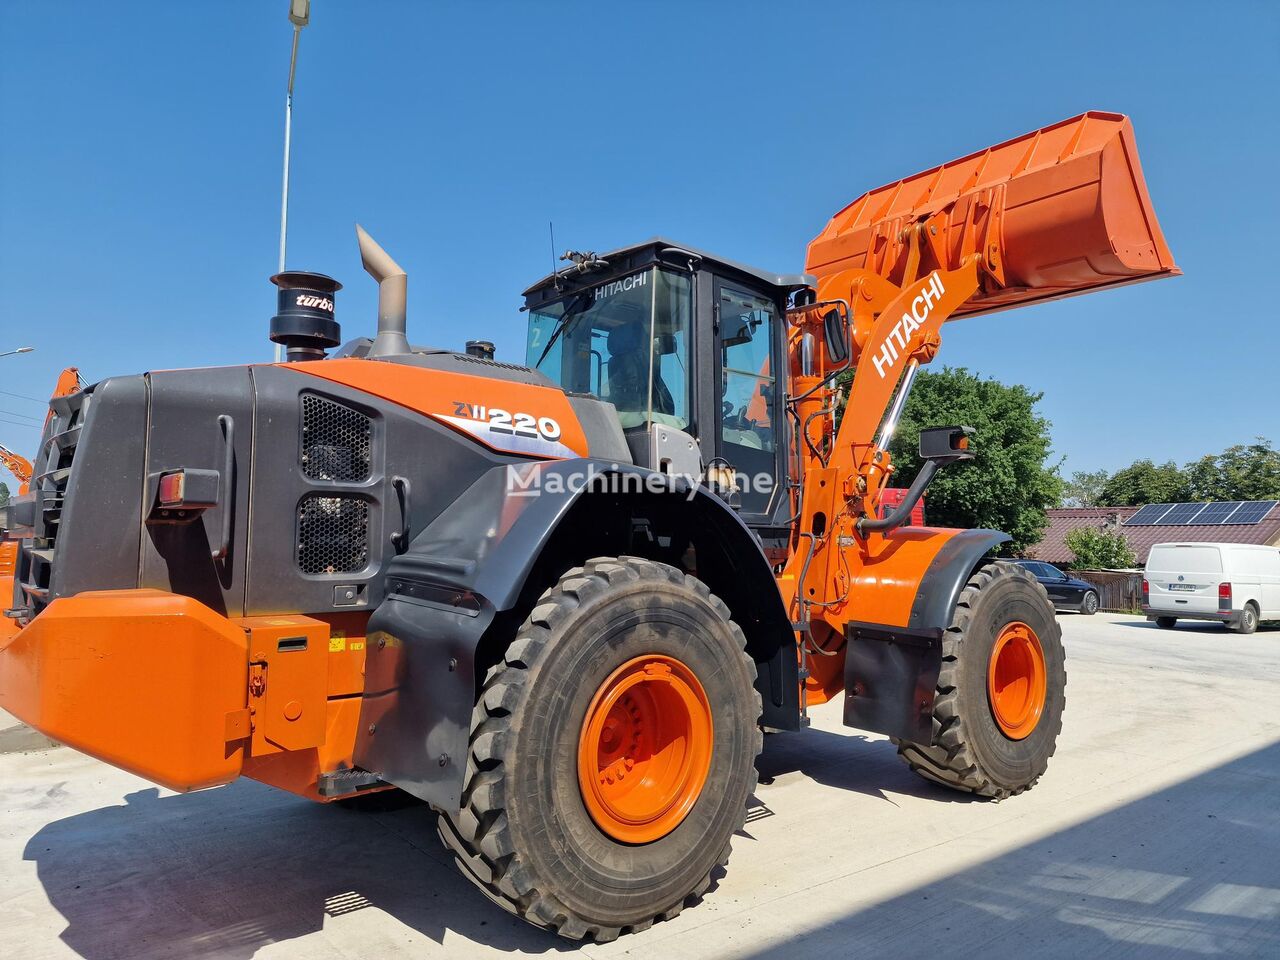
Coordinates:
1058 212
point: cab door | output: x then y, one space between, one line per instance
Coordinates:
749 425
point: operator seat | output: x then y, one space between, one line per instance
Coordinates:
628 387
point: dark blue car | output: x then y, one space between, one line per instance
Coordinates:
1066 592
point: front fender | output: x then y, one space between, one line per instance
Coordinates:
946 576
473 564
891 668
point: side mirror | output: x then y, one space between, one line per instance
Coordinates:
835 327
833 315
946 444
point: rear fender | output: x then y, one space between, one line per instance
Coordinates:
457 594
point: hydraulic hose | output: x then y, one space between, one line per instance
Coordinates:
903 510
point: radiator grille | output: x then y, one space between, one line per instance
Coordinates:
333 534
335 441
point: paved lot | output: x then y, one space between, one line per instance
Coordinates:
1155 833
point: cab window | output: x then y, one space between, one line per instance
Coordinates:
625 340
747 427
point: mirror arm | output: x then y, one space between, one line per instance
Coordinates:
902 512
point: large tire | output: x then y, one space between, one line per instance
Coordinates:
525 834
971 750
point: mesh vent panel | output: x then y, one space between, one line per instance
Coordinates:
333 534
335 441
467 358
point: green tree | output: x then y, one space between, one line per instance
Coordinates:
1084 489
1096 549
1242 472
1144 482
1009 484
4 493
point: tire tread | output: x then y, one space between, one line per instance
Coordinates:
478 835
950 760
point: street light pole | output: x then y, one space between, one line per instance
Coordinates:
10 353
299 16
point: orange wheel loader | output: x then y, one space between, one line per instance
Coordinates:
560 601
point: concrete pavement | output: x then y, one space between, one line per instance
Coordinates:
1156 832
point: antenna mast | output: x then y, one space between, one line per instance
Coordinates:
299 16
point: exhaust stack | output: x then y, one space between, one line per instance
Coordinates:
392 286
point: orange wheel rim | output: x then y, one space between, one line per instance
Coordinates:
645 749
1017 684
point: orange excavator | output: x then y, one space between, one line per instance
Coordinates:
561 600
17 465
20 467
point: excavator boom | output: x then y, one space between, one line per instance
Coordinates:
16 464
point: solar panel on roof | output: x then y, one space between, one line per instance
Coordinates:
1251 512
1148 515
1202 514
1215 513
1182 513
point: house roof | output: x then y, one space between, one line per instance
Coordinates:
1053 548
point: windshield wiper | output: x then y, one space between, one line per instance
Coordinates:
565 320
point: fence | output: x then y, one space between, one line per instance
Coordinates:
1118 591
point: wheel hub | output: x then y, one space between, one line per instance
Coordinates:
1017 682
645 749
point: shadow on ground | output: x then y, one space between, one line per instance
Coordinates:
848 761
1190 870
225 872
1196 626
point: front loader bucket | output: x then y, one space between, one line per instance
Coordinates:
1058 212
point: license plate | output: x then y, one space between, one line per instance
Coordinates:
1184 587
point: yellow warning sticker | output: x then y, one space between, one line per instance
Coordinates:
337 644
357 644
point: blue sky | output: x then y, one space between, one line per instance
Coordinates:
140 174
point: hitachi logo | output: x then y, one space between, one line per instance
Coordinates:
618 286
900 335
311 300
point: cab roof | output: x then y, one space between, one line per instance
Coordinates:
659 250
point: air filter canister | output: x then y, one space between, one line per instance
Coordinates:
305 323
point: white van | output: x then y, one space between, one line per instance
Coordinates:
1236 583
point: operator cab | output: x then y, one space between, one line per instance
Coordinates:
686 346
